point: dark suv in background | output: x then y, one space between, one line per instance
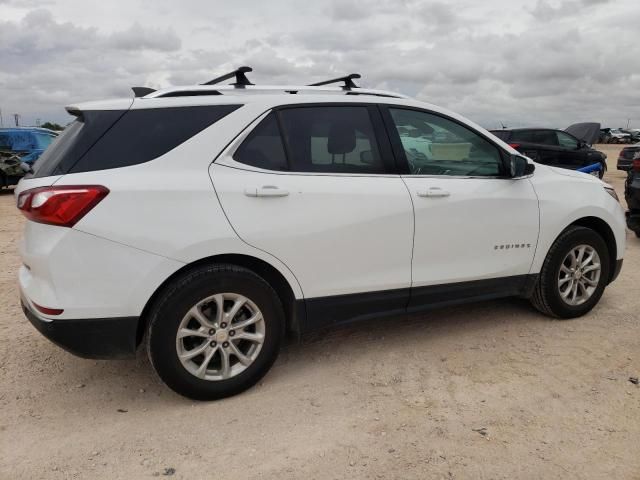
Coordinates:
632 192
570 148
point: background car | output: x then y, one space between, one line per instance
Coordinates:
627 156
632 193
570 148
21 145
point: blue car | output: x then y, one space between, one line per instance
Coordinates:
21 145
27 142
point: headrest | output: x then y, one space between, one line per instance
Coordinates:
342 138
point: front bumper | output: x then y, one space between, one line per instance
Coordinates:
98 338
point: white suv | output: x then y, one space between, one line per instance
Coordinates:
211 220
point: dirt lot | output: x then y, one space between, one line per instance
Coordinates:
490 391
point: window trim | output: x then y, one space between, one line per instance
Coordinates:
401 159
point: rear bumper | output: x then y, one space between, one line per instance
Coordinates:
624 164
98 338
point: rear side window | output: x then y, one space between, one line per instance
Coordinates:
338 139
522 136
263 147
142 135
546 137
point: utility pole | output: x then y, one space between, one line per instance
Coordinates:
16 118
37 122
1 121
628 119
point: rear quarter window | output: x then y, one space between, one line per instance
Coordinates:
142 135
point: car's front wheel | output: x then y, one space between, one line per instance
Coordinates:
216 332
574 274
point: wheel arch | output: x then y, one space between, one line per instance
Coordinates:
603 229
294 310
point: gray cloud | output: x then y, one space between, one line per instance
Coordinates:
549 64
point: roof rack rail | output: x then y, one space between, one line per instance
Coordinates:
347 79
142 91
241 79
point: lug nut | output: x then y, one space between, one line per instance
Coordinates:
232 333
213 344
225 344
223 325
212 331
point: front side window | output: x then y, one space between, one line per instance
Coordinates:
335 139
567 141
434 145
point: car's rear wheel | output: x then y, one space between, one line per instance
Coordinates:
574 274
216 332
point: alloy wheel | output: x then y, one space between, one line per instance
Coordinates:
220 336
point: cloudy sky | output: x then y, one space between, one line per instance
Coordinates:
537 62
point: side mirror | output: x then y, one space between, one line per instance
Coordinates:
519 166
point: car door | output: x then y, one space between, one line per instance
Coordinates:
475 229
315 186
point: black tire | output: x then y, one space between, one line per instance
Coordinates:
188 290
602 171
546 296
637 232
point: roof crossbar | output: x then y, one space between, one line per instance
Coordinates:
241 79
347 79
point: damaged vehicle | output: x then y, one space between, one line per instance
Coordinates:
569 148
18 146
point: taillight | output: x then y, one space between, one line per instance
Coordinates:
47 310
636 165
514 145
61 205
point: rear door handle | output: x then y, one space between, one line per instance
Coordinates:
434 192
266 191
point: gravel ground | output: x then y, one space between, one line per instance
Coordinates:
487 391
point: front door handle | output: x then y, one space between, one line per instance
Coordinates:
434 192
266 191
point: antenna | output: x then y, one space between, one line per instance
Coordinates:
241 79
347 79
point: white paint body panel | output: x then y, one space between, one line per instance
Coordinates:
340 234
457 235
